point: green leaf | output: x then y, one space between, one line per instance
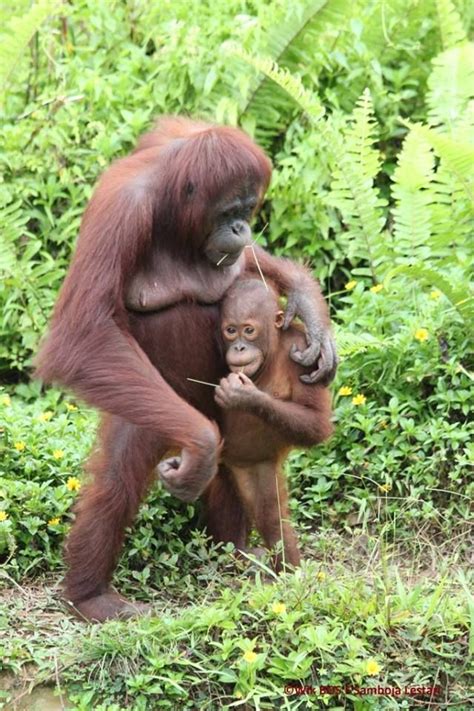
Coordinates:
18 34
460 298
450 25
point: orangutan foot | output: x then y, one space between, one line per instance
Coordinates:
108 606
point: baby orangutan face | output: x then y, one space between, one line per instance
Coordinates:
251 318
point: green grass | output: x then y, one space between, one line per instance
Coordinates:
386 580
355 603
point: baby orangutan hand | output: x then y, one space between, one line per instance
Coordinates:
237 391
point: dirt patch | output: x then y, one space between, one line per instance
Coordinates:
39 698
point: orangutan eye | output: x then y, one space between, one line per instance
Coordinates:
230 331
249 330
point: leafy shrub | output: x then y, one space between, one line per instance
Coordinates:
408 439
43 445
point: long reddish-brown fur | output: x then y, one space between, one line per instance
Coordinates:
137 202
134 367
259 437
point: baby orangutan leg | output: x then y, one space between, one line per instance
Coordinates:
224 514
268 507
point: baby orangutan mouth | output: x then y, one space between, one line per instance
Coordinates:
248 367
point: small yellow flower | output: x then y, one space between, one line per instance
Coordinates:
73 484
345 390
71 407
250 656
53 521
238 695
376 288
435 294
321 576
6 400
19 446
372 667
359 400
278 608
45 416
3 516
421 334
350 285
58 454
385 488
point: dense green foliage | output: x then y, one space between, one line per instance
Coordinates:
367 110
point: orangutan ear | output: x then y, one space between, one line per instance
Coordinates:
279 319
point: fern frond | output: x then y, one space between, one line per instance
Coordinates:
286 44
457 156
450 25
355 166
457 293
452 217
283 36
361 136
291 83
13 220
412 212
350 344
451 86
18 33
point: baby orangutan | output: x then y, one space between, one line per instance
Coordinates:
267 409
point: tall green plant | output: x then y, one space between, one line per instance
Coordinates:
450 25
355 166
18 33
431 196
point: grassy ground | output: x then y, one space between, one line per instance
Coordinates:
382 618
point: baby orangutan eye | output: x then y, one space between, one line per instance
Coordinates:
249 330
230 331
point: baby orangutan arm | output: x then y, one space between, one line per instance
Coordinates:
303 423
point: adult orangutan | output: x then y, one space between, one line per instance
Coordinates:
160 243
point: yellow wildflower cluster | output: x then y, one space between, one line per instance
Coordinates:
3 516
53 521
421 334
278 608
58 454
71 407
45 416
359 400
73 484
250 657
435 294
321 576
350 285
345 390
19 446
372 667
376 288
